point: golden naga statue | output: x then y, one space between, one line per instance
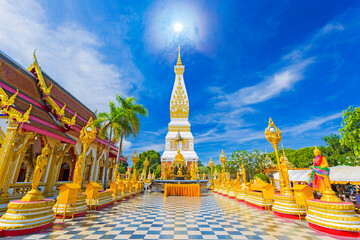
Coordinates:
41 162
319 177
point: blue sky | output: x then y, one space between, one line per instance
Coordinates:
245 61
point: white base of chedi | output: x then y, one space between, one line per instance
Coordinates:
80 208
285 206
338 218
105 199
27 217
256 199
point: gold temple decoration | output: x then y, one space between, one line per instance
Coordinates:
223 159
211 165
60 112
6 103
179 58
146 164
179 107
41 162
134 159
273 135
87 136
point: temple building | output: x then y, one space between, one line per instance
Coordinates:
37 112
179 135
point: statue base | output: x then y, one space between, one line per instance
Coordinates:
80 208
337 218
179 178
33 195
285 206
255 199
241 195
23 217
105 199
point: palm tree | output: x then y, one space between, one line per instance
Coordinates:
109 124
129 119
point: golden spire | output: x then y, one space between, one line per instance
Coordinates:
179 59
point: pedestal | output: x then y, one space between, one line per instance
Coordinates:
241 195
338 218
105 199
256 199
231 192
80 208
24 217
285 206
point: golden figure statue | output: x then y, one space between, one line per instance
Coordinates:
128 173
116 173
41 162
283 166
319 178
166 172
179 158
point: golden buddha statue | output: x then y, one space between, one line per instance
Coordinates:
319 178
179 158
41 162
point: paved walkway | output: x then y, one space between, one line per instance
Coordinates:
151 216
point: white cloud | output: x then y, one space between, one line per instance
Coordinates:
312 124
331 27
283 80
68 53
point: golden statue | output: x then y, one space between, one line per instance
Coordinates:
166 172
179 158
78 171
283 166
319 178
41 162
128 174
116 173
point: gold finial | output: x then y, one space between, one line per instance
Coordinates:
179 59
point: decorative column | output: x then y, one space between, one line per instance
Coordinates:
273 135
57 156
134 159
87 136
211 164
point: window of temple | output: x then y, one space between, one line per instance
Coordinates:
22 173
64 172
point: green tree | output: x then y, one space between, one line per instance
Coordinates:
128 118
157 171
335 152
218 168
350 131
109 125
122 168
153 158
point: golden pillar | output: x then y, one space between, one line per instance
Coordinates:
87 136
223 159
273 135
211 165
134 159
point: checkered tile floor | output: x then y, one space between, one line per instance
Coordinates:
151 216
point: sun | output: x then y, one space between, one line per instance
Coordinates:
178 27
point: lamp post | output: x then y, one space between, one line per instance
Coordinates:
223 159
211 164
273 135
134 159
